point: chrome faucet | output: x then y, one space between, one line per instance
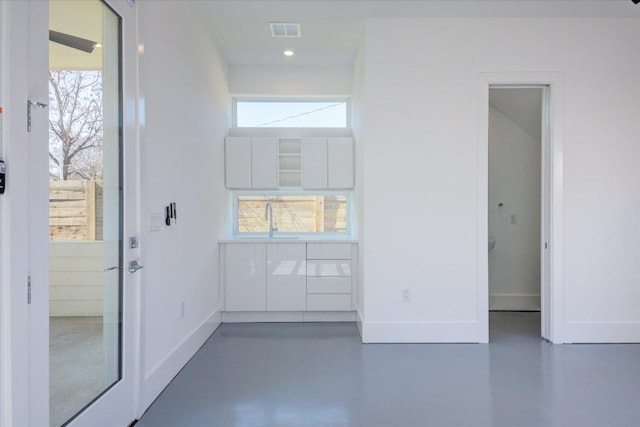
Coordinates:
268 216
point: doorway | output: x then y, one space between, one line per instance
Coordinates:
514 209
551 197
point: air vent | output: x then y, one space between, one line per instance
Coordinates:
285 29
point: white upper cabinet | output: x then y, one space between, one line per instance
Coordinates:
327 163
237 152
267 163
251 163
314 163
264 163
340 163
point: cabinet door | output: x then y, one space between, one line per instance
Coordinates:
264 163
237 153
340 162
245 285
314 163
286 277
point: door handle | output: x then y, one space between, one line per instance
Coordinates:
134 266
115 267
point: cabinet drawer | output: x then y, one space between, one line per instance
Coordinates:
329 268
328 285
329 302
328 250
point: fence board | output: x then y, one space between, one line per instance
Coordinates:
75 210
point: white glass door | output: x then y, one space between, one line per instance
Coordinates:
85 204
72 204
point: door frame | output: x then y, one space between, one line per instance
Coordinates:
24 374
551 247
24 328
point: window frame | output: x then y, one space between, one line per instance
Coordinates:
236 99
293 235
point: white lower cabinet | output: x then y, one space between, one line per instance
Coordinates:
280 277
329 279
246 271
329 302
286 276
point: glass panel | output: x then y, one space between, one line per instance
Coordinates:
292 114
293 213
85 206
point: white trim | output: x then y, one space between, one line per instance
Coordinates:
602 332
552 197
360 323
162 373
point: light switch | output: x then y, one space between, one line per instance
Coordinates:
513 218
155 221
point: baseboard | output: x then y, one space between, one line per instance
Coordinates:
514 302
287 316
359 323
421 332
601 332
161 375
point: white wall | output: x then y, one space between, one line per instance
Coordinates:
422 153
271 80
186 116
514 181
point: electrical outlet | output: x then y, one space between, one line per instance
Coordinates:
514 218
182 310
406 295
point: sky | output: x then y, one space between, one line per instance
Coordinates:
292 114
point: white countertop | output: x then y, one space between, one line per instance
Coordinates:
285 240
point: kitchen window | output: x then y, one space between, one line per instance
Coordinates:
301 213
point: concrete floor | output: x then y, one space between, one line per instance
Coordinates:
317 374
76 361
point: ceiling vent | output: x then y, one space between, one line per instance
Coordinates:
285 29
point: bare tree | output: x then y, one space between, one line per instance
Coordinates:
75 125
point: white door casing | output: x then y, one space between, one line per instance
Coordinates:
551 189
24 329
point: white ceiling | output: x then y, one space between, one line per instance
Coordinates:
332 29
522 105
80 18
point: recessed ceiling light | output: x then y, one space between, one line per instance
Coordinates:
288 52
285 29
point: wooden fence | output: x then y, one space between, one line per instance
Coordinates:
310 214
75 210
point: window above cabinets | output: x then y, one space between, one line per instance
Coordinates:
290 113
